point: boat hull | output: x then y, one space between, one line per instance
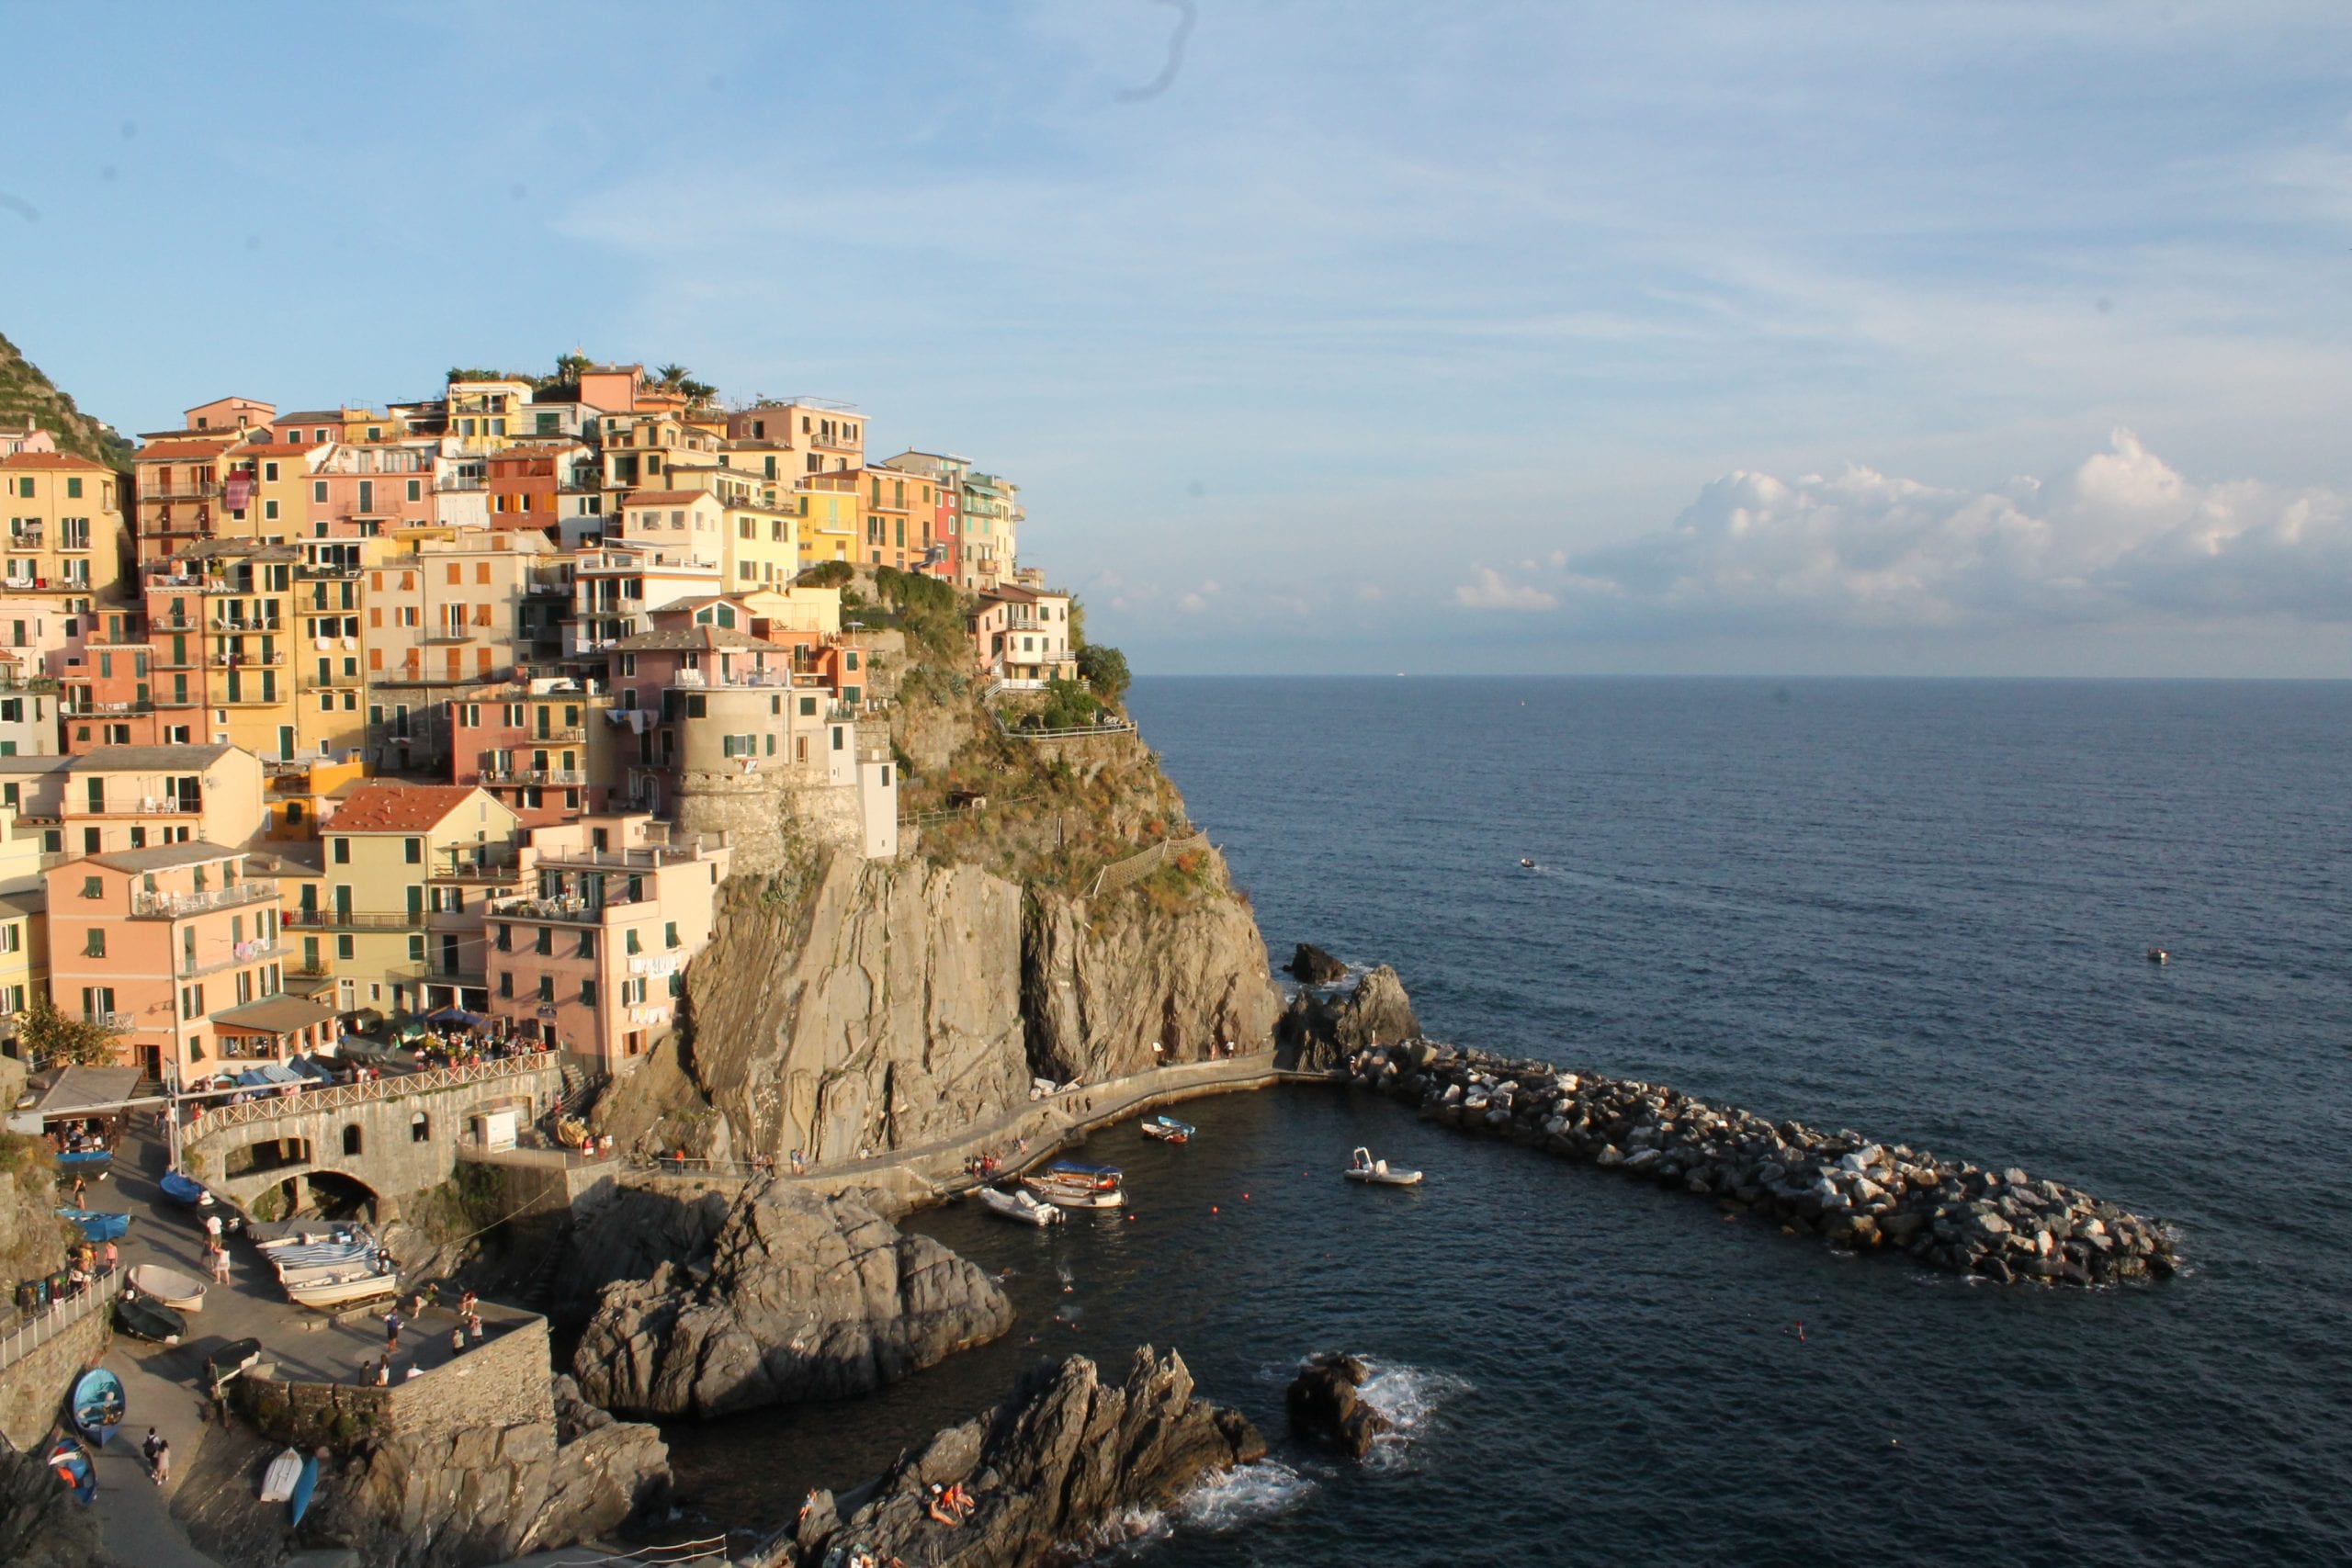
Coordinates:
323 1293
1384 1178
1007 1206
151 1321
98 1225
1077 1198
185 1190
277 1482
169 1286
99 1405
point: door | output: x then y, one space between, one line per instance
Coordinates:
284 742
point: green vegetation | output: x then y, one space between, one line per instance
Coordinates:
469 1202
26 393
828 574
1067 705
1103 666
50 1038
930 612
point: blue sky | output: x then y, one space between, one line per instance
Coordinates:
1786 338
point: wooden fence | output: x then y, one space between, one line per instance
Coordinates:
1124 874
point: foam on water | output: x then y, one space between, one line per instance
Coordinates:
1410 1397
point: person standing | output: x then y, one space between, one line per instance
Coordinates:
111 1256
393 1332
149 1447
163 1462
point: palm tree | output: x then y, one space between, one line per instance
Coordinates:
672 376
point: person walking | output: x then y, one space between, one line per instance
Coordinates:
393 1332
162 1462
149 1447
221 1264
111 1256
79 1187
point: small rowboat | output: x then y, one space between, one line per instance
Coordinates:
326 1288
277 1482
169 1286
1026 1208
230 1360
151 1321
1075 1186
85 1160
1168 1130
306 1484
185 1189
1362 1167
97 1225
97 1405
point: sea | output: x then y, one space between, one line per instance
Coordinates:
1919 910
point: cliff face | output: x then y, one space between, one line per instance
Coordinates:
884 1015
1102 982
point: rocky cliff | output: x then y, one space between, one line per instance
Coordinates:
1318 1032
1047 1469
802 1297
40 1525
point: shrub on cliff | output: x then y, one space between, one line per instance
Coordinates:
1106 670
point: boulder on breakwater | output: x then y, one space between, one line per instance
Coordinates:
1047 1471
2001 1225
1317 1034
1325 1405
802 1297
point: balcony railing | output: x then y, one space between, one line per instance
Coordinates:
179 493
173 906
108 1019
85 710
510 775
491 867
649 857
568 910
350 920
327 570
145 806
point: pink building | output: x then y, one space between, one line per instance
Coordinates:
593 961
174 946
543 745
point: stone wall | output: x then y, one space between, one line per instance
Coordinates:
33 1390
503 1382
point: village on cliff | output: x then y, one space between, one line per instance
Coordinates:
455 706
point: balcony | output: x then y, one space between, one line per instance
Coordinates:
109 1020
27 538
567 777
242 660
88 710
330 571
558 735
449 637
243 953
146 805
236 624
352 921
575 911
179 493
494 867
177 905
648 858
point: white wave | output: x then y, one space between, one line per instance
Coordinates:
1232 1498
1410 1397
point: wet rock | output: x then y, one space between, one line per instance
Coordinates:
1317 1035
1325 1405
1050 1468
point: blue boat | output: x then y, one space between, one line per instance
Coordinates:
1168 1130
301 1501
85 1160
1073 1167
183 1189
98 1225
97 1405
73 1467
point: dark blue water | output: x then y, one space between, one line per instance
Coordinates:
1915 908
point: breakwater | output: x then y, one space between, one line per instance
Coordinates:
2001 1225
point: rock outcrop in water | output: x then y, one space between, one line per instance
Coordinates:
2000 1224
1047 1471
803 1296
1315 966
1317 1034
1326 1407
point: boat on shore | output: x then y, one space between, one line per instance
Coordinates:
1168 1130
327 1286
1021 1206
169 1286
185 1189
228 1363
99 1405
151 1321
278 1481
97 1225
1071 1185
1362 1167
73 1467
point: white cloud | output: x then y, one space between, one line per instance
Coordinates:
1490 590
1192 603
2123 533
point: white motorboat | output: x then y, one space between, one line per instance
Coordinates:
1075 1186
1362 1167
169 1286
1024 1207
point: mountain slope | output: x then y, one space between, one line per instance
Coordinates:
25 392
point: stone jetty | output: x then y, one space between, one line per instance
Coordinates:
2001 1225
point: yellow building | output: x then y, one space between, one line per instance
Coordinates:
394 904
220 618
485 415
65 528
24 922
330 652
831 525
277 496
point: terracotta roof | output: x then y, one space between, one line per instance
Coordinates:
201 446
397 809
49 460
665 497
